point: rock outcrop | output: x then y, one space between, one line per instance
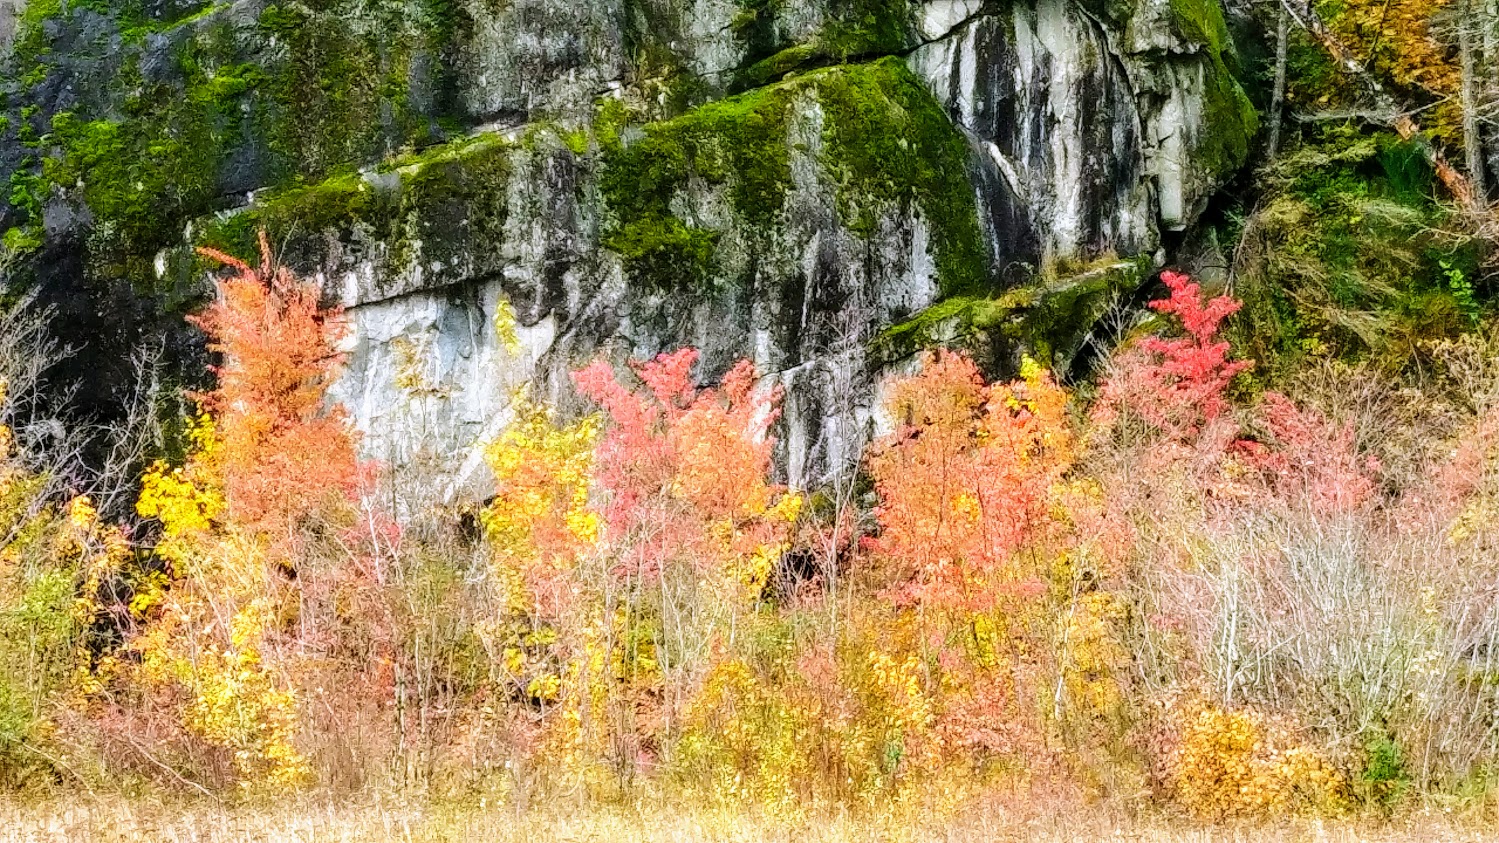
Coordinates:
822 186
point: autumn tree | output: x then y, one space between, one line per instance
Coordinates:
285 450
1391 52
691 524
1175 387
630 547
966 481
267 454
979 537
1165 405
683 471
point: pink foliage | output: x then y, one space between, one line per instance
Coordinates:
1178 386
1464 472
1312 460
1179 389
679 459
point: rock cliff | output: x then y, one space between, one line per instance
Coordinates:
824 186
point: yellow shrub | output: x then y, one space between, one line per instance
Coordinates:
541 513
1229 763
746 738
234 699
186 500
904 711
96 552
1092 657
209 631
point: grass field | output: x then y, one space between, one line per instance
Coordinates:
205 822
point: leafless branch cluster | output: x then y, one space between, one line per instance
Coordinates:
75 456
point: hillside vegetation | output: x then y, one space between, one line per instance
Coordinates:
1236 563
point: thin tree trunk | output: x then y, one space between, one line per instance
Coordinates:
1278 98
1489 16
1472 139
1488 75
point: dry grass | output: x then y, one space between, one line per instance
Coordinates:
127 820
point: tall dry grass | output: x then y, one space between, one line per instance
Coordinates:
1004 820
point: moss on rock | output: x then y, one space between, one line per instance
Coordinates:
1230 121
886 142
210 104
850 28
1048 319
1202 22
139 176
444 206
336 95
1229 116
865 27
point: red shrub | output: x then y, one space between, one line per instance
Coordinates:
1177 386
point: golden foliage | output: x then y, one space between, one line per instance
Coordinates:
540 514
748 739
1229 763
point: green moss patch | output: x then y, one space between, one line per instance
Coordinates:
1202 21
885 141
140 176
852 29
1048 319
865 27
450 199
888 141
337 95
1346 256
308 89
1229 116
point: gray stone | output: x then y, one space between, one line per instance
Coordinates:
10 12
1084 137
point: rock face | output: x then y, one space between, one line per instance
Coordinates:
10 11
499 191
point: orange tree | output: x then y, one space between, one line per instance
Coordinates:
269 461
977 537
